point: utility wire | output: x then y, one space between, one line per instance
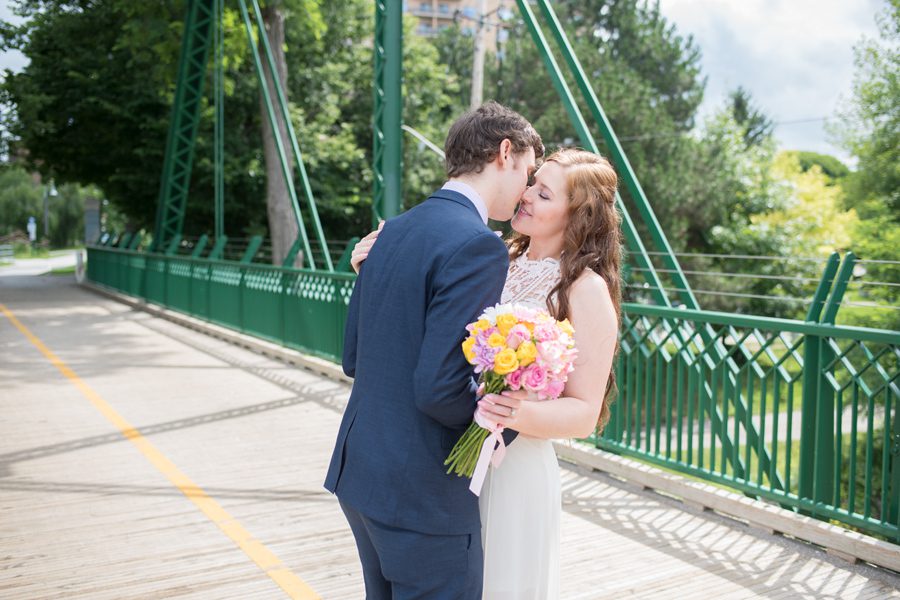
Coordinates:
644 286
651 136
717 293
743 256
738 275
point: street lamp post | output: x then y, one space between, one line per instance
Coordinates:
48 192
478 60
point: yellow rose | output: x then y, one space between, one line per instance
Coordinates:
496 340
526 353
530 326
505 362
566 327
467 348
480 325
505 323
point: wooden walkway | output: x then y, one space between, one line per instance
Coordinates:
152 461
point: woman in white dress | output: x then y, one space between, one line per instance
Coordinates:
565 257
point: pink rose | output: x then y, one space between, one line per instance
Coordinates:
514 379
535 378
523 313
554 389
517 335
547 331
551 354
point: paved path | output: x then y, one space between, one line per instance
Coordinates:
153 461
37 266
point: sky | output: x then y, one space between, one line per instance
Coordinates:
794 56
10 60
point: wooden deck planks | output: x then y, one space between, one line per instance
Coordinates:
83 514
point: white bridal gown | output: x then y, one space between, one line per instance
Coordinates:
520 502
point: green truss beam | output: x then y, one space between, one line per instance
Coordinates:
203 25
298 156
657 235
179 156
633 240
635 244
387 149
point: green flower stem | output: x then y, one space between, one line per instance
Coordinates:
464 455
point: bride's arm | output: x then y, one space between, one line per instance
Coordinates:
575 413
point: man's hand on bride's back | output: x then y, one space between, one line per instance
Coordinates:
362 248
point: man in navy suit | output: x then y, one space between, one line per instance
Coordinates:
434 269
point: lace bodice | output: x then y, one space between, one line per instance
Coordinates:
529 282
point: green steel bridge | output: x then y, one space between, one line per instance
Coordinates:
802 414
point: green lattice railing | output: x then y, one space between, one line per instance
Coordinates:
300 309
803 414
734 399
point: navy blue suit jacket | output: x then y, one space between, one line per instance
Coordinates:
432 271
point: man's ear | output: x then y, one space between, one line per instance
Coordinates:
505 154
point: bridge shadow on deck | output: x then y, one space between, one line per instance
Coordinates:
765 564
111 489
8 459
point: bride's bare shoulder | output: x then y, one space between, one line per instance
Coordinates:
591 298
590 283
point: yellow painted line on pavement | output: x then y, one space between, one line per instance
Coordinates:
262 556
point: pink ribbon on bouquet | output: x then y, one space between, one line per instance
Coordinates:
492 451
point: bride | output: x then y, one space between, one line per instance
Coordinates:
565 257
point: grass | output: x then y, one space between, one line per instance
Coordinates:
25 252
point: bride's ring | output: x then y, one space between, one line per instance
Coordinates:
512 412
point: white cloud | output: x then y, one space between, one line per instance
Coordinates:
13 60
794 56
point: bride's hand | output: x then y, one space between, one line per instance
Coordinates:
362 248
503 408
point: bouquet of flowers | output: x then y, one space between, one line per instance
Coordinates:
512 347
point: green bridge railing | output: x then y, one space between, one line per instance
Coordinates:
298 308
803 414
800 413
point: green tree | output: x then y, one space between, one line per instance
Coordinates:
869 128
830 166
870 124
647 77
20 198
756 125
94 103
813 220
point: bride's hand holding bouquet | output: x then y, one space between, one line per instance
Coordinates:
523 353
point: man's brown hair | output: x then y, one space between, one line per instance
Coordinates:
474 139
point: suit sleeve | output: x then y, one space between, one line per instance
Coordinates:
469 281
348 359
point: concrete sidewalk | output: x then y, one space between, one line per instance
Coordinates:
89 514
38 266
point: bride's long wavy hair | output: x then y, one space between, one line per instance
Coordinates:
592 239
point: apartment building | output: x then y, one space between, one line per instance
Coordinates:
436 15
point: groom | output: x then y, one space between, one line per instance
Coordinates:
433 270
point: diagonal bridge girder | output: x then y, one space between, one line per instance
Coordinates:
633 240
